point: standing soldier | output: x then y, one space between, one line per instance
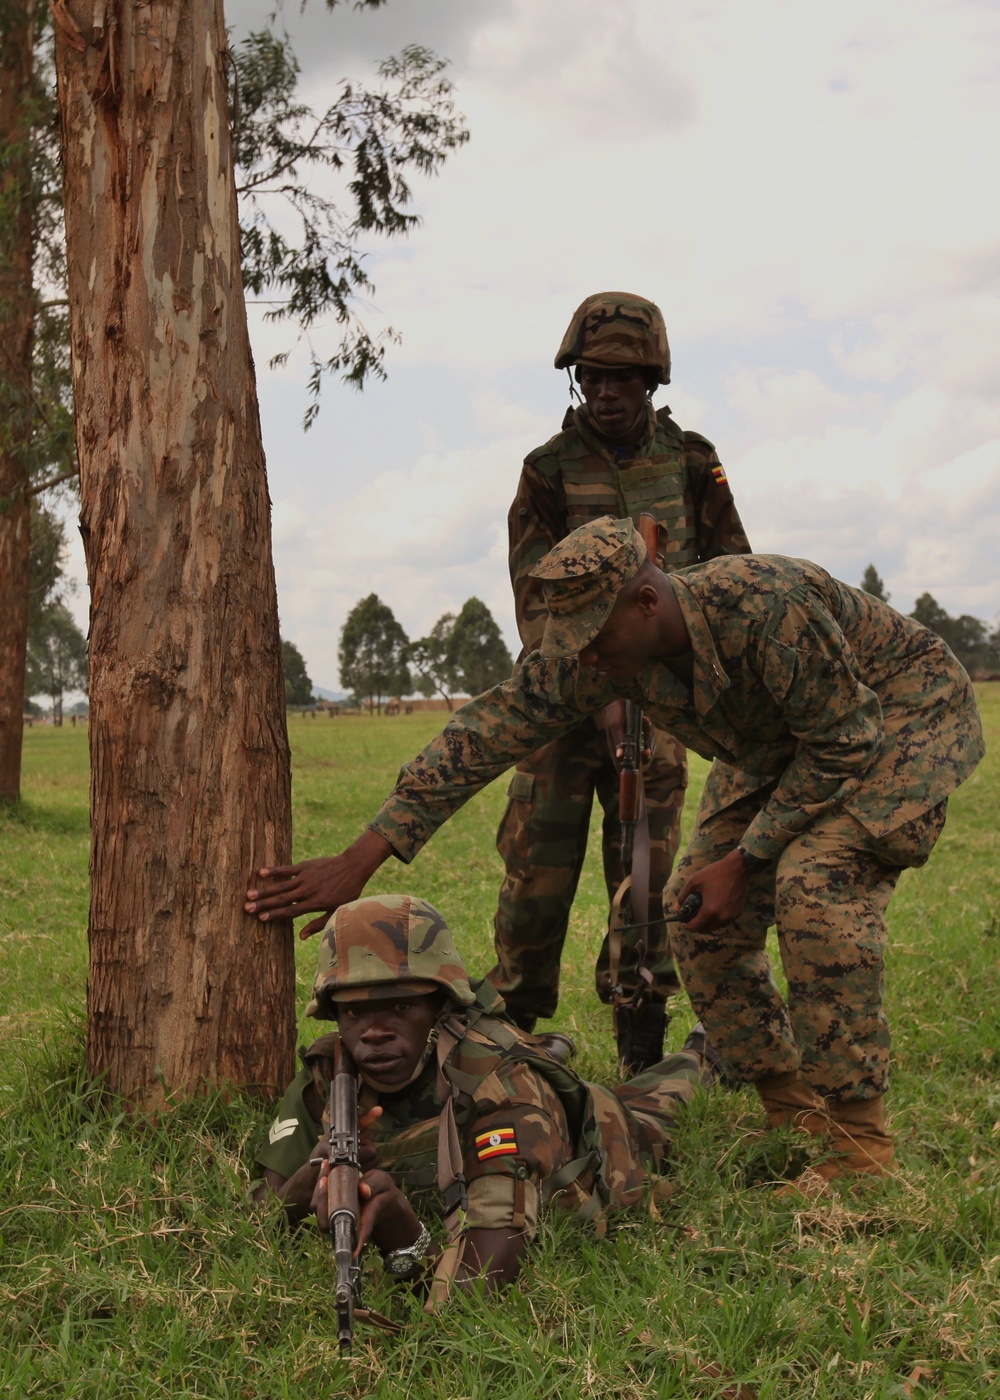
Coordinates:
617 456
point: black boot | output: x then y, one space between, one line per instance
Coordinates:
640 1036
561 1047
713 1067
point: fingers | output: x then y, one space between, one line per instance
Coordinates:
276 903
320 1203
315 925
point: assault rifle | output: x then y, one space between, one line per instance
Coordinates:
630 908
342 1193
638 1025
631 805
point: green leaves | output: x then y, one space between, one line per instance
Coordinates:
311 184
463 654
298 686
373 651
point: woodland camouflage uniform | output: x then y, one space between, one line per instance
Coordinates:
837 727
578 476
530 1131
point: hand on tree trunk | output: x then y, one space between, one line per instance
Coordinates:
324 883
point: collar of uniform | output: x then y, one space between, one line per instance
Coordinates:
598 443
710 680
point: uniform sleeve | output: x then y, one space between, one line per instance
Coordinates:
719 529
535 523
293 1133
542 700
808 668
511 1151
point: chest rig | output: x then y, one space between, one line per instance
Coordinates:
654 481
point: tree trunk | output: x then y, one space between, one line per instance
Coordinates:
190 783
17 40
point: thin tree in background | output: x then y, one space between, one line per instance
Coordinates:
190 784
35 437
430 658
373 652
57 656
476 649
871 583
298 686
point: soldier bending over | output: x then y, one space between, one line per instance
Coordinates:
838 729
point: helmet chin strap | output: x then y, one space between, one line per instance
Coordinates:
574 392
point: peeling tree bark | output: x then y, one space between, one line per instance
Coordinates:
17 41
190 785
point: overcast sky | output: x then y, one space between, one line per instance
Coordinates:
809 192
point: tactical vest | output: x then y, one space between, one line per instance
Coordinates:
474 1045
655 482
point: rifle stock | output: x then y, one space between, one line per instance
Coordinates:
342 1193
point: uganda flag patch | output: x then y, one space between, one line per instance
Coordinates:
719 472
498 1142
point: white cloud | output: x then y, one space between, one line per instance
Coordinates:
424 540
809 192
790 401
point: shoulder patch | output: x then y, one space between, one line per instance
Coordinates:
282 1128
719 474
497 1142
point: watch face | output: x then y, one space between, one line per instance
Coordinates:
400 1265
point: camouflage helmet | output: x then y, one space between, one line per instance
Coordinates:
618 330
374 948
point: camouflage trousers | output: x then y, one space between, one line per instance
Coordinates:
827 895
543 841
636 1121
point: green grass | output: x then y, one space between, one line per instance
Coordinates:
130 1266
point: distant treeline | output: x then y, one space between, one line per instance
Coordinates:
463 654
972 641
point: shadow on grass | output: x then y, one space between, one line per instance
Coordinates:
46 821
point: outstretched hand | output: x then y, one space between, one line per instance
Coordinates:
324 883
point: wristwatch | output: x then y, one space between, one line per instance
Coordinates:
404 1263
753 863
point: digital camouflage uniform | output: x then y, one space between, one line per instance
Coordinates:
530 1130
837 727
576 477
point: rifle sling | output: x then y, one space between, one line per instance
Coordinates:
630 905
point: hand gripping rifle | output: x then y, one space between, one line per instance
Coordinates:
342 1193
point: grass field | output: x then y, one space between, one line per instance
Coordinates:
130 1265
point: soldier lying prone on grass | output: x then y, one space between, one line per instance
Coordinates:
458 1106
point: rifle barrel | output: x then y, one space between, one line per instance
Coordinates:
342 1194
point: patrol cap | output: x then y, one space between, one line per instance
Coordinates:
581 578
385 946
619 330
